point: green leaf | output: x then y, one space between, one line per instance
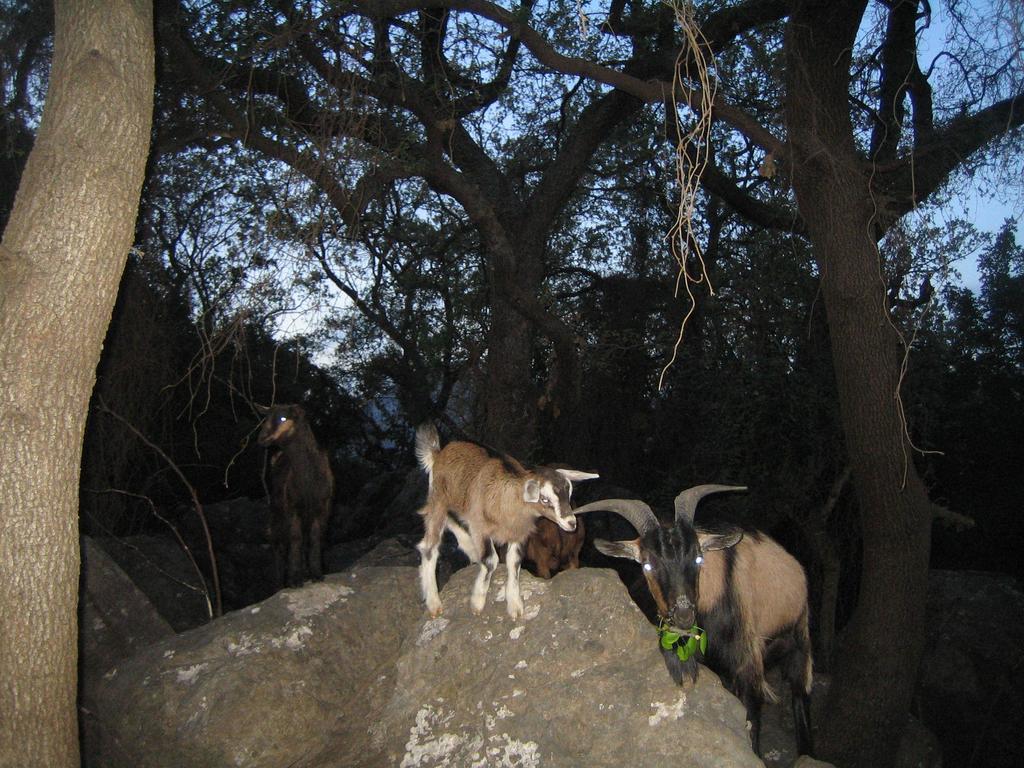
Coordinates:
703 642
685 650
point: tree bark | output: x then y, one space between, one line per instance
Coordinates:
508 402
60 262
876 667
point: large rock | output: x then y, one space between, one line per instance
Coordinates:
351 672
971 686
116 621
162 570
385 506
116 618
276 684
579 682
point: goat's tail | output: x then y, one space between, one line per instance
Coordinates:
428 443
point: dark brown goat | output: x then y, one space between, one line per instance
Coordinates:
301 488
552 550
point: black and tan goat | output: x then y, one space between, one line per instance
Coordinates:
485 498
301 488
747 594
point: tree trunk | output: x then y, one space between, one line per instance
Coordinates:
876 667
509 400
61 258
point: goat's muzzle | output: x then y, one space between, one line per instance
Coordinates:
682 614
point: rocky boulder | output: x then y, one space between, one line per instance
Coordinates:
578 682
350 671
117 619
297 676
161 569
971 687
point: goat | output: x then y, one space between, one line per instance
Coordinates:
301 488
551 549
485 498
747 593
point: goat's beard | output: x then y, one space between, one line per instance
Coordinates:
681 671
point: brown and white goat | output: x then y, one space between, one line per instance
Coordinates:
741 587
301 488
485 498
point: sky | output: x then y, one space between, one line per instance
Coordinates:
987 215
986 211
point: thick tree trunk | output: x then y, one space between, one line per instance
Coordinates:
507 404
879 653
508 401
61 258
876 667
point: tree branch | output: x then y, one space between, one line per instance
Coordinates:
902 185
646 90
898 64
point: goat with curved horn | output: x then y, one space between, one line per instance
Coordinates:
738 594
636 512
686 502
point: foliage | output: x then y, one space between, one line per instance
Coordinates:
26 34
968 385
669 639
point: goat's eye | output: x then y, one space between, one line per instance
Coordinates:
282 419
699 559
648 567
545 501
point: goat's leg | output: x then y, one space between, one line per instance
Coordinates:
433 523
802 722
750 687
747 691
798 670
483 578
513 600
467 544
295 552
543 561
280 564
314 539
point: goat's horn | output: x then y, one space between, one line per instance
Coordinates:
686 502
639 515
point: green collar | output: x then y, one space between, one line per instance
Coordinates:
685 643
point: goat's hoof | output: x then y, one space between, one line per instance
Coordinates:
516 610
434 609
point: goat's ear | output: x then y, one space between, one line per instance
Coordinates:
576 476
627 549
531 491
722 540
